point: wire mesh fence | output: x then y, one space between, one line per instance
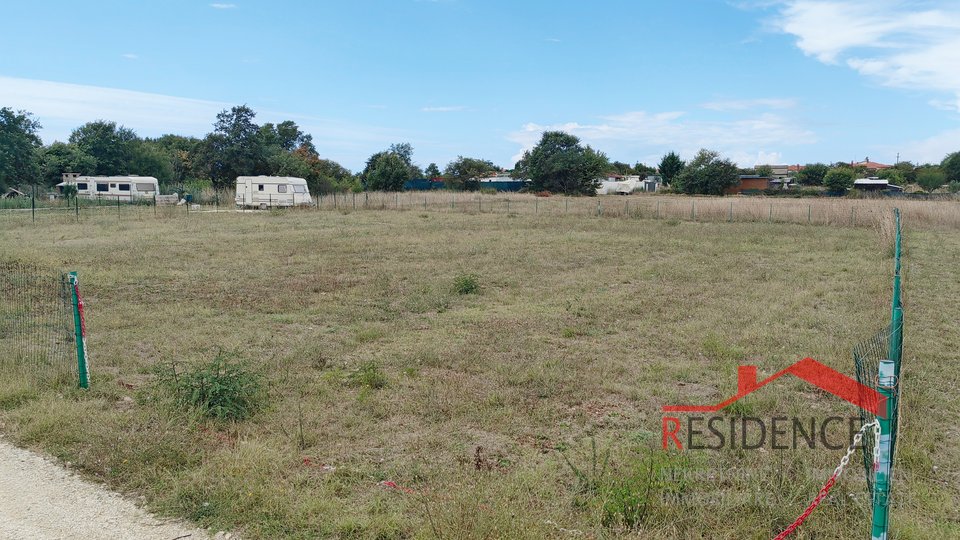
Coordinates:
839 212
36 323
866 358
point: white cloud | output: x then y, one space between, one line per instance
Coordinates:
223 6
61 107
130 56
930 150
448 108
649 135
744 104
896 42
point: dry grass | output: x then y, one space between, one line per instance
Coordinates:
377 370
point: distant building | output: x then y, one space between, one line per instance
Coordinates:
749 183
875 184
870 165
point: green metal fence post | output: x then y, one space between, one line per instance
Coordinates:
886 384
33 204
83 375
888 381
76 202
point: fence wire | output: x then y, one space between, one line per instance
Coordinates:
36 323
866 358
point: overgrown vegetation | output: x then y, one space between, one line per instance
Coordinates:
582 331
224 388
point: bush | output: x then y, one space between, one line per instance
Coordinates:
839 179
367 375
466 284
223 388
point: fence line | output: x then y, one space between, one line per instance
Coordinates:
820 211
36 331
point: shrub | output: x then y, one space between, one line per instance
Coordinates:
367 375
223 388
839 179
466 284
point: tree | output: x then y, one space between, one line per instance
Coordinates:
620 167
385 171
765 171
951 167
812 174
931 178
111 146
893 175
59 158
464 172
644 170
908 170
19 145
432 171
560 164
670 166
839 179
234 148
405 152
707 174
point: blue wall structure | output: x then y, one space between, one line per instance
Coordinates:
422 184
425 184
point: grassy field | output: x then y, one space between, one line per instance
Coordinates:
379 364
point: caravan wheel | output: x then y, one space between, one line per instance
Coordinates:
263 206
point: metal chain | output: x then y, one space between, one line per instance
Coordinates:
836 475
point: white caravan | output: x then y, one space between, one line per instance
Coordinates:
123 188
271 191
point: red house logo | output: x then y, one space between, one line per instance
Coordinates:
808 369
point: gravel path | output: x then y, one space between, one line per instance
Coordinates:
41 500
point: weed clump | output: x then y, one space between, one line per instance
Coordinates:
368 375
224 388
466 284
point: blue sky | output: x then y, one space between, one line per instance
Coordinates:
762 81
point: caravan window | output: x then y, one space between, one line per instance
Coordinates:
124 187
113 185
144 187
102 187
82 186
299 189
260 187
282 188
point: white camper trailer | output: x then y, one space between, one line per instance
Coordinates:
123 188
272 191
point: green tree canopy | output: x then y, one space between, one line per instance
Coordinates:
59 158
931 178
892 175
464 172
707 174
951 167
111 146
385 171
234 148
839 179
560 164
432 171
670 166
909 171
812 174
19 146
764 170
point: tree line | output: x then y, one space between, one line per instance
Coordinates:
237 146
